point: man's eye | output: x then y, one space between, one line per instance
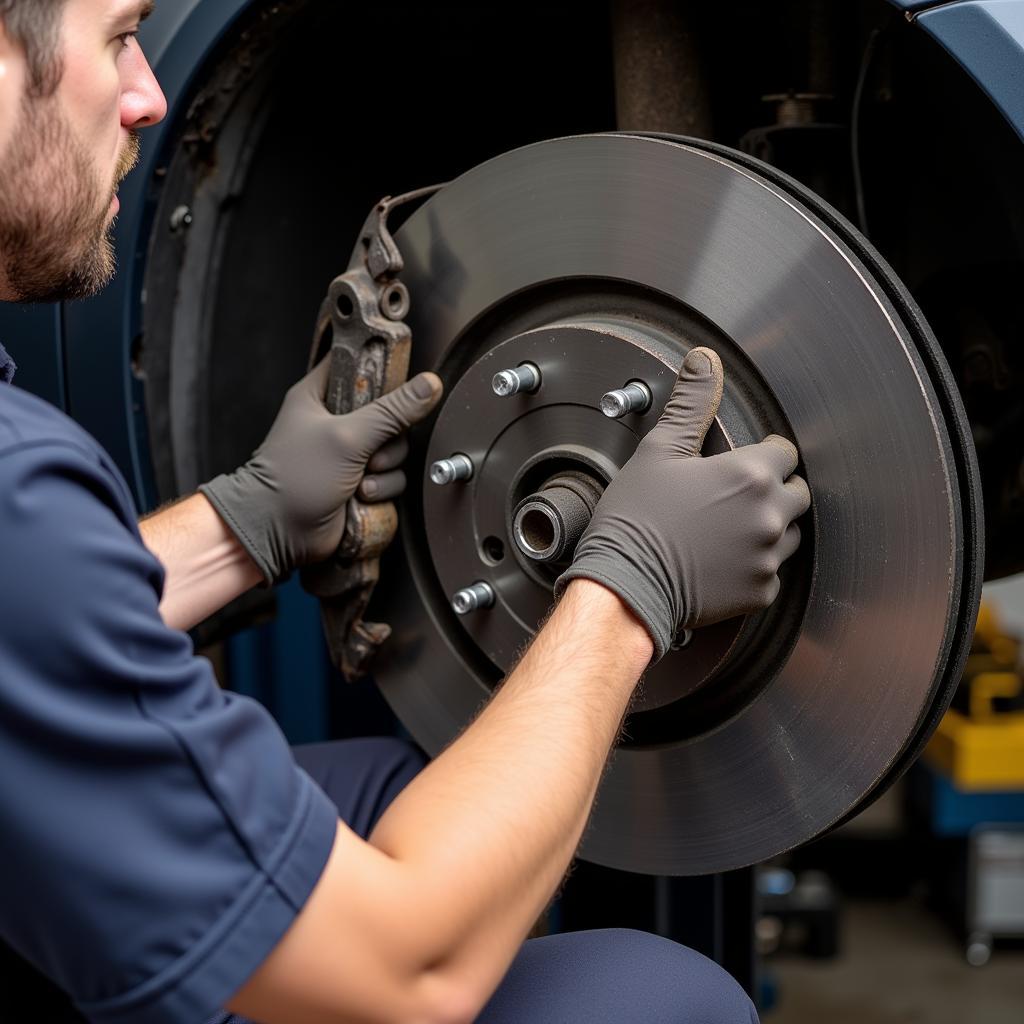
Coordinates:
126 38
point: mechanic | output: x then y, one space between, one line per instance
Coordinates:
168 857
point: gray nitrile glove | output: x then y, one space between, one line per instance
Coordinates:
687 541
287 504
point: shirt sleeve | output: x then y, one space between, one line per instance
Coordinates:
160 838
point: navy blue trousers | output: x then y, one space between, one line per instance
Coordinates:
612 976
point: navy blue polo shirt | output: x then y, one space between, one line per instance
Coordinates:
158 837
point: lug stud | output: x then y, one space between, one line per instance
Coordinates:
447 471
524 379
469 599
634 397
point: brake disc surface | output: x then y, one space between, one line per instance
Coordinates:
603 259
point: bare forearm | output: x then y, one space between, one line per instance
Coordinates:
493 823
206 566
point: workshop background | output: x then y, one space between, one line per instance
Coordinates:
898 123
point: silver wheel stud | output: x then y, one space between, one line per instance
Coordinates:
447 471
524 379
634 397
469 599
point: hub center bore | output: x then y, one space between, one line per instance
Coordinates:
538 530
548 525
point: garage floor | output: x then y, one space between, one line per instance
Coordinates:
900 965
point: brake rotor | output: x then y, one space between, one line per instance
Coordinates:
600 261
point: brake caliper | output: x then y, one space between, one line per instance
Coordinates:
363 319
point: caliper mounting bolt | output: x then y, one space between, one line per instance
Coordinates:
634 397
447 471
524 379
469 599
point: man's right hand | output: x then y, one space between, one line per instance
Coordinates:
687 541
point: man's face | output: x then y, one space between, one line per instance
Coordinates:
63 156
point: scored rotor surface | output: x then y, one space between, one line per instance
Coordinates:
869 659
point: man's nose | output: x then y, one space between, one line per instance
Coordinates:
142 100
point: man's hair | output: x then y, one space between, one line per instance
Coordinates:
35 26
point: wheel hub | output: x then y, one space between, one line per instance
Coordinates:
543 455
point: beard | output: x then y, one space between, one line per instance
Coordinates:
55 224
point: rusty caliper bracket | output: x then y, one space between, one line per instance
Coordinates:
363 317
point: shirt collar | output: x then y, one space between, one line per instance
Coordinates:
7 367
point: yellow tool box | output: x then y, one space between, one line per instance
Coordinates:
979 755
983 749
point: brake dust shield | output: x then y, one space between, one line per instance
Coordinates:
600 260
